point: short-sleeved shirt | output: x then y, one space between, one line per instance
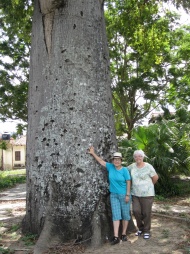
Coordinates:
142 185
117 178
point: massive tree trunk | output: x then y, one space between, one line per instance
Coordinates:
70 108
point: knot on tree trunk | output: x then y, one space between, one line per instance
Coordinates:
49 6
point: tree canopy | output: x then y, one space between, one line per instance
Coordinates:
14 58
144 48
140 43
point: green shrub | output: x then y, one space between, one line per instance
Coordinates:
167 148
29 239
9 179
6 251
166 188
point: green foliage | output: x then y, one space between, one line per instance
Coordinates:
187 249
6 251
160 198
11 178
166 188
14 227
13 172
14 58
127 148
29 239
165 233
183 185
3 145
178 93
167 148
149 60
140 46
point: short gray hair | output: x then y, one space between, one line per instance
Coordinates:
139 152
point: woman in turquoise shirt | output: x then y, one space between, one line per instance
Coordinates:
119 186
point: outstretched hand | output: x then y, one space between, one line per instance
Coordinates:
90 150
96 157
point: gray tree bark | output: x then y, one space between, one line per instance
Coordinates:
69 109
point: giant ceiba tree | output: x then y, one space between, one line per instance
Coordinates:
69 109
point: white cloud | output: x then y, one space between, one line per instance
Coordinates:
9 126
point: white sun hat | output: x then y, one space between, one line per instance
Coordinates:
117 155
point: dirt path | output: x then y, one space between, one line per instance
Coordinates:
170 230
168 237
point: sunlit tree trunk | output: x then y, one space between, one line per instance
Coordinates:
69 109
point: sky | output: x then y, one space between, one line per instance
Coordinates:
185 17
9 126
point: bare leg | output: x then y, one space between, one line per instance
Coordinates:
116 227
124 226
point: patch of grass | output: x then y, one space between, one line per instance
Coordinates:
14 227
166 207
183 215
10 178
29 239
9 211
161 198
13 172
165 233
14 236
187 249
2 224
6 251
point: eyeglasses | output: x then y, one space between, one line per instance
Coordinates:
117 159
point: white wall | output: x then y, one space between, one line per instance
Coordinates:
9 157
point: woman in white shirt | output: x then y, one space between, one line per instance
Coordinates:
143 177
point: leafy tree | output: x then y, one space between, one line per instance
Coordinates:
14 58
15 44
69 97
140 42
178 92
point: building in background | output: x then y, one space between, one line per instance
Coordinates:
14 154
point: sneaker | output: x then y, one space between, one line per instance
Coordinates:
146 236
115 240
138 233
124 238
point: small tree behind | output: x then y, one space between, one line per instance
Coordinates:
3 147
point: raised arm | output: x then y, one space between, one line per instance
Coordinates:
96 157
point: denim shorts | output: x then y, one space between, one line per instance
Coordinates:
120 209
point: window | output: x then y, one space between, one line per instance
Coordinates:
17 156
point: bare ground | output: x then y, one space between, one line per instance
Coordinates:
170 233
